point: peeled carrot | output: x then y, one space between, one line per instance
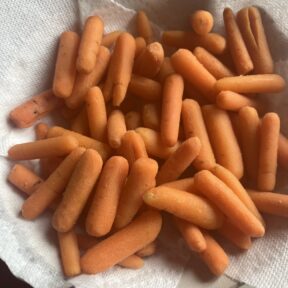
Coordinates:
176 164
282 151
140 232
151 116
86 242
58 146
80 123
186 64
224 198
201 22
68 114
110 38
103 208
143 25
166 69
24 179
184 205
37 107
225 146
132 262
191 234
41 130
185 184
141 178
52 188
70 254
133 120
65 69
140 46
77 191
191 92
148 250
116 128
89 45
193 124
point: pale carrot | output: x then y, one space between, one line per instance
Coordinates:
133 120
144 28
151 117
202 22
110 38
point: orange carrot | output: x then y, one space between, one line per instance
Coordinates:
109 39
186 184
201 22
140 46
80 123
132 262
282 151
151 116
147 250
166 69
144 28
132 120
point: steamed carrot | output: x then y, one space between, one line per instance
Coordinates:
140 232
184 205
65 69
89 45
58 146
52 188
143 25
110 38
201 22
37 107
181 159
77 191
151 116
133 120
80 123
103 208
140 46
140 179
224 198
148 250
282 151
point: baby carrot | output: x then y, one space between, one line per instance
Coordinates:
212 64
140 46
133 120
144 28
186 184
116 128
41 130
89 46
269 139
237 47
65 69
96 112
282 151
224 198
147 250
166 69
140 232
110 38
176 164
191 92
24 179
52 188
214 256
141 178
145 88
153 143
103 208
270 202
132 262
184 205
186 64
201 22
37 107
194 125
149 62
225 146
151 116
191 234
132 147
171 109
85 81
70 254
77 191
58 146
80 123
262 83
68 114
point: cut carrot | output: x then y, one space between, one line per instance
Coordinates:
143 25
201 22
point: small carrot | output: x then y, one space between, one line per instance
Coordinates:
166 69
133 120
80 123
110 38
132 262
140 46
151 116
41 131
202 22
148 250
282 151
185 184
143 25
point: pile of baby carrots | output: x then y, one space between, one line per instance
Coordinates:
148 131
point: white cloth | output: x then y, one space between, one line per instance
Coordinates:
29 35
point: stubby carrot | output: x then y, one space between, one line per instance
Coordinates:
24 179
132 147
84 141
143 25
80 123
110 38
212 64
283 151
41 131
70 254
193 124
151 117
224 198
270 202
132 262
141 178
186 64
77 191
116 128
237 47
176 164
191 234
153 143
166 69
268 146
140 232
103 208
185 184
89 46
52 188
65 69
96 112
201 22
145 88
85 81
133 120
58 146
184 205
149 62
37 107
225 145
171 109
148 250
214 256
140 46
